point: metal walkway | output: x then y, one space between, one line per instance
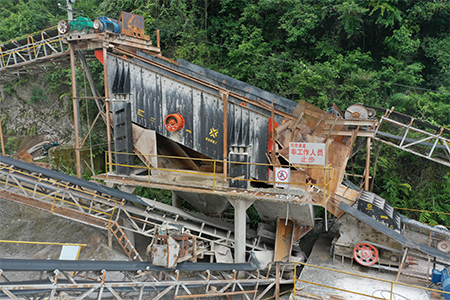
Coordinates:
31 54
415 136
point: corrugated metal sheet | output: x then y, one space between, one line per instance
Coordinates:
123 135
154 94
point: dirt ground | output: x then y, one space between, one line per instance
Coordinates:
22 223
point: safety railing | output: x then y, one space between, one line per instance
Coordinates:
28 35
216 173
33 49
59 193
41 243
298 291
430 212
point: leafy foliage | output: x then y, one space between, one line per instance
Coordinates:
37 94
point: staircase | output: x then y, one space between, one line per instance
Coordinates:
124 241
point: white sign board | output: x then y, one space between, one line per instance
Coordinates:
69 252
282 176
307 153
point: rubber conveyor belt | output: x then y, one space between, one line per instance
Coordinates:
113 192
408 140
392 233
131 266
74 180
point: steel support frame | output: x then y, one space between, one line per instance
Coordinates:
101 284
76 111
102 211
32 52
404 145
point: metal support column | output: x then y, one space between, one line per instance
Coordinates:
225 95
76 112
108 109
240 218
366 184
1 137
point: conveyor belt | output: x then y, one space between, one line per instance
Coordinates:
74 180
31 54
130 266
408 119
408 140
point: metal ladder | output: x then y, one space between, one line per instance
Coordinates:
124 241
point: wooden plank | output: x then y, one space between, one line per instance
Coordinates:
298 176
283 240
144 142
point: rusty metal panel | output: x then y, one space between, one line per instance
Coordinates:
146 98
123 135
177 98
258 138
165 255
237 170
211 131
133 25
121 82
237 86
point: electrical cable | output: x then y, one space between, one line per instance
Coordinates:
396 296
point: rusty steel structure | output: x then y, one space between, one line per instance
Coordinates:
215 142
32 54
102 207
415 136
125 280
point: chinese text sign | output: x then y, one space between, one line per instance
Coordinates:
307 153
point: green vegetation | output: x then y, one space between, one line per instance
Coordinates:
378 52
37 95
12 144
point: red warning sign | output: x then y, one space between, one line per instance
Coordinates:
282 177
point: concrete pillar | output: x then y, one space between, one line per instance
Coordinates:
240 227
130 234
127 223
240 220
176 200
110 235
